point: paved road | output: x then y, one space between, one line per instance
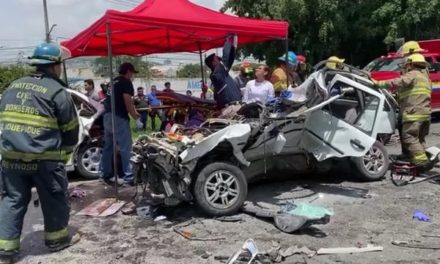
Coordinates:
365 213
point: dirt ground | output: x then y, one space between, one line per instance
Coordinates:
364 213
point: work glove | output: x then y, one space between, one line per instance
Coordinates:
419 215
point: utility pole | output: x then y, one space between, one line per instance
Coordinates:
46 21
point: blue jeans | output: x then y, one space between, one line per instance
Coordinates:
123 139
144 117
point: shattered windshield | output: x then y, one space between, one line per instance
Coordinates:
391 64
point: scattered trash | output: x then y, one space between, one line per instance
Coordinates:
160 218
348 250
437 236
77 193
206 255
419 215
319 196
129 208
307 210
415 244
231 219
188 234
102 207
292 217
297 250
147 211
247 252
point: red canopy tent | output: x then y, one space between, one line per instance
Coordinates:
161 26
158 26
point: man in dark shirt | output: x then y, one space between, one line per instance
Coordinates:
168 88
226 92
141 102
123 97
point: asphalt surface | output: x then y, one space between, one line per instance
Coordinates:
364 213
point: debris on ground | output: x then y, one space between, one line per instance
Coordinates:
77 193
292 217
185 232
415 244
229 219
349 250
160 218
312 212
297 250
248 252
102 207
129 208
147 212
421 216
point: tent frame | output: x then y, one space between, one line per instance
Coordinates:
109 34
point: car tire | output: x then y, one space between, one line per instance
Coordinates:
374 164
88 160
220 189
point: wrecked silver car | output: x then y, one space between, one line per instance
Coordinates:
333 116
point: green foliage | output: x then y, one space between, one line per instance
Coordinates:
101 65
358 30
191 71
12 73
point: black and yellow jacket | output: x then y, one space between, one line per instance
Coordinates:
38 120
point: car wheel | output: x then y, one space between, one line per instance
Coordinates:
374 164
220 189
89 159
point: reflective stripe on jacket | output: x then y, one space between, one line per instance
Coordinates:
413 94
38 120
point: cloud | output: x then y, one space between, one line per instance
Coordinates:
24 21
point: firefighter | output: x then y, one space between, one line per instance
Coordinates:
39 128
335 63
410 47
286 70
414 97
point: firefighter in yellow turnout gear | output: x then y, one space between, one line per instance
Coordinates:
414 97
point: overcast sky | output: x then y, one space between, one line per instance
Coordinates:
23 20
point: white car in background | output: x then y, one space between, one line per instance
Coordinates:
86 157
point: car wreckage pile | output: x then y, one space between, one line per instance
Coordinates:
334 115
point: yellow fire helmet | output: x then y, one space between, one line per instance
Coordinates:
334 62
417 59
410 47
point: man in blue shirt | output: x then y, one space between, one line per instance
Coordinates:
152 102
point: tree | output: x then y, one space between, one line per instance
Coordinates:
9 74
358 30
101 65
191 71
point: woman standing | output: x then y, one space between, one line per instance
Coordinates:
260 89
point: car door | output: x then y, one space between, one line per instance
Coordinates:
87 114
345 124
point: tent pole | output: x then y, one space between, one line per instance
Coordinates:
287 60
201 65
65 73
112 99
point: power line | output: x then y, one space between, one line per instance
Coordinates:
122 4
15 48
